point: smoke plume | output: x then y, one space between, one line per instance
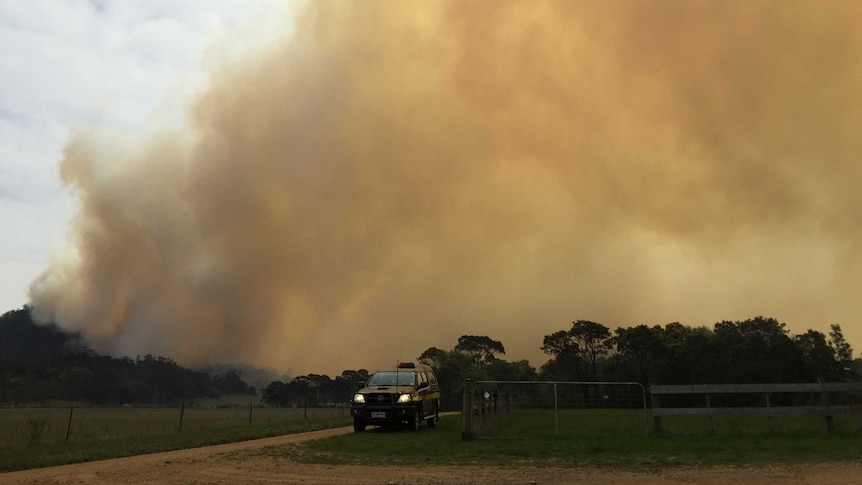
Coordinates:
397 174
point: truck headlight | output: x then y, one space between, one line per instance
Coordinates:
404 398
359 398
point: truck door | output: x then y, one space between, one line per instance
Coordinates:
424 393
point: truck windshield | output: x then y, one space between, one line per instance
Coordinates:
392 378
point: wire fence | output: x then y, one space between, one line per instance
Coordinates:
35 425
524 409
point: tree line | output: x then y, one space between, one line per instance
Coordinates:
757 350
43 362
314 390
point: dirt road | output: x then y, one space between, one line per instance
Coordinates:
268 461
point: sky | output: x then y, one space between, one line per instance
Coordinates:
334 185
130 67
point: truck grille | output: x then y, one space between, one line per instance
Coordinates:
379 399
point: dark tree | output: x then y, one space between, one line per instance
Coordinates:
758 350
452 369
559 343
481 349
843 351
500 370
818 357
644 346
25 343
231 383
345 385
692 356
431 355
276 394
355 377
581 347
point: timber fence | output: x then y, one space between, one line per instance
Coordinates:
825 399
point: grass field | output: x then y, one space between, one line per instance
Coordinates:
599 439
36 436
588 438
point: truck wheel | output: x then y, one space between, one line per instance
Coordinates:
358 425
417 418
433 419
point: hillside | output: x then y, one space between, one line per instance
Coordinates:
44 362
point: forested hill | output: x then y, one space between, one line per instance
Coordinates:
25 344
44 362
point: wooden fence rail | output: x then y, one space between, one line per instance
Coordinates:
822 389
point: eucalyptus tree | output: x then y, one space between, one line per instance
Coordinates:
644 347
482 349
578 350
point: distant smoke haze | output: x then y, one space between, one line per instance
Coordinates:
398 174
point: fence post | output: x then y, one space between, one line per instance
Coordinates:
467 411
654 404
824 401
708 406
768 418
182 411
480 409
69 426
643 403
556 413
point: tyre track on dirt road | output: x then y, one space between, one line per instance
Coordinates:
89 472
268 461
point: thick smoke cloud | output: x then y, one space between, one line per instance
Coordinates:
398 174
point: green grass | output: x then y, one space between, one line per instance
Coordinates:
100 433
598 441
595 438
